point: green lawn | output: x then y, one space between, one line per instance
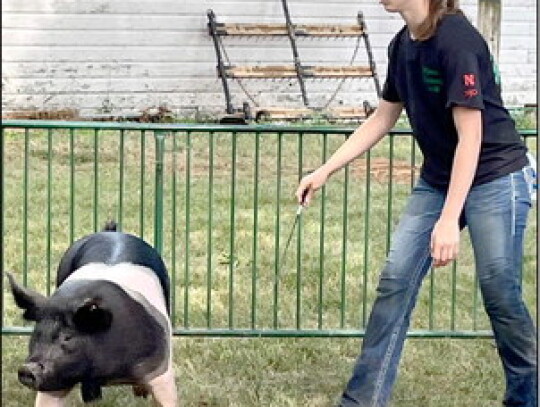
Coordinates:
219 284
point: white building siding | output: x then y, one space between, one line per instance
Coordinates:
124 56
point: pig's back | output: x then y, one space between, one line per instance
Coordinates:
113 248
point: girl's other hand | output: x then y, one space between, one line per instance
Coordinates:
444 242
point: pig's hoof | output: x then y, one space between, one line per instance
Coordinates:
90 391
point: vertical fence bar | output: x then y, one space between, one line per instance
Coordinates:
366 238
454 297
173 228
536 157
232 230
2 203
71 185
141 183
25 207
254 268
49 208
322 238
475 303
344 248
299 243
210 229
278 221
158 205
431 297
121 179
187 256
96 179
413 161
390 192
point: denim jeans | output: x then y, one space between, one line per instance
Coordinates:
495 214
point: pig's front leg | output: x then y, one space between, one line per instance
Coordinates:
51 398
163 389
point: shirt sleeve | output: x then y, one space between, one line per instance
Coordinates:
463 79
389 92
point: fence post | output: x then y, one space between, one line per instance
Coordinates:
158 199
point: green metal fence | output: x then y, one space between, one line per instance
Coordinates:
217 202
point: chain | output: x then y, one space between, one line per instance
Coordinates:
340 85
237 79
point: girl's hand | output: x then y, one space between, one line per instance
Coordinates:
444 242
309 184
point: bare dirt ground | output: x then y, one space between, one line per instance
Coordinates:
401 171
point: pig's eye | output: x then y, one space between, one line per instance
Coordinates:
66 344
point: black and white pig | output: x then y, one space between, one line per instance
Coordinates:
107 322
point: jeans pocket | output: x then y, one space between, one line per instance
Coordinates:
495 196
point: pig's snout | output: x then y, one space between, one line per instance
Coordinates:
30 374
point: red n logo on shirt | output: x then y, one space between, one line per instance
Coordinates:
469 79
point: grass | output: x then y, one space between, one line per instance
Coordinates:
321 272
301 372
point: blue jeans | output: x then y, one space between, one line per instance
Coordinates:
496 215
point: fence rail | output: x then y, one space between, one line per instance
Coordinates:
217 202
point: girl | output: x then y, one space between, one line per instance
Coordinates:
473 174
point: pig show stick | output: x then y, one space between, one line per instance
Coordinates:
283 258
297 216
281 261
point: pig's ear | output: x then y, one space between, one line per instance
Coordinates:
26 299
91 317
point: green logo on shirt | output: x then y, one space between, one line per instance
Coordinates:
432 79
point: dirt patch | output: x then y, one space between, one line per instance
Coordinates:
380 169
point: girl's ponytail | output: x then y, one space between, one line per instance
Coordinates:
437 9
452 6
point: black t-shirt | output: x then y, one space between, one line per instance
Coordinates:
452 68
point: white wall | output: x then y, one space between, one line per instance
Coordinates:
125 56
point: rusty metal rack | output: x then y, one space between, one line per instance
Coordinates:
227 71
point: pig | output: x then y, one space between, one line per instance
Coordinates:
107 322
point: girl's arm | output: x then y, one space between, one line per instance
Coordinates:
362 139
445 236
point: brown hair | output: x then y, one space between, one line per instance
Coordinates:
437 9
